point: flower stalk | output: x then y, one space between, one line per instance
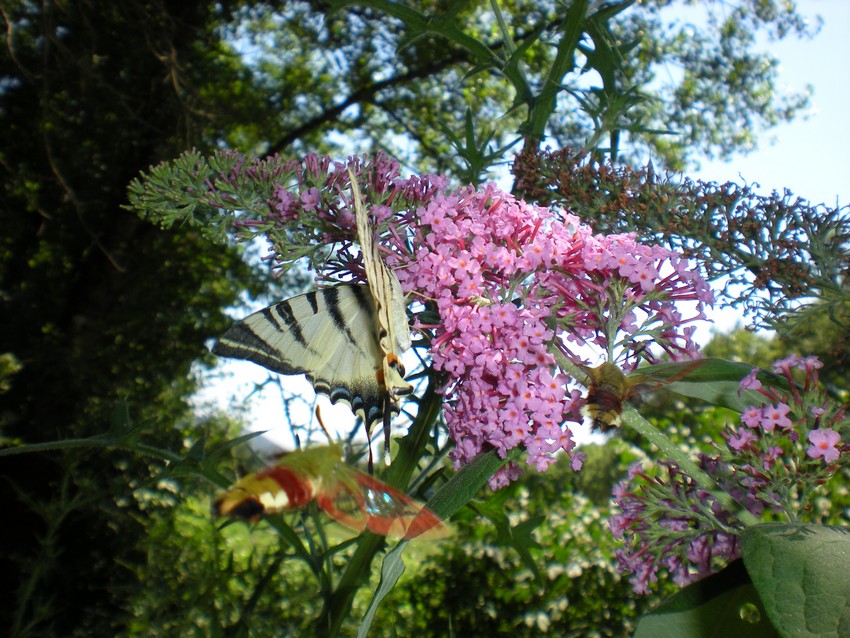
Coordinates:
670 450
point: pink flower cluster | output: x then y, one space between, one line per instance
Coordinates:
775 427
772 465
509 290
307 207
514 283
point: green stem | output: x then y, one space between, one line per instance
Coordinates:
54 515
338 605
503 28
100 441
667 448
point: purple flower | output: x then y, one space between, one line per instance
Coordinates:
784 366
776 416
750 382
751 417
807 364
514 283
744 438
577 460
311 198
769 457
824 444
507 286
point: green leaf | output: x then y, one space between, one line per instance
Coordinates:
543 105
219 450
474 150
391 570
520 538
802 573
464 485
724 604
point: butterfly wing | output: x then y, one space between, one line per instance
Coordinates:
393 328
329 335
362 502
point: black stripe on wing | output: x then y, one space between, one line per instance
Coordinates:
332 301
366 400
258 339
242 342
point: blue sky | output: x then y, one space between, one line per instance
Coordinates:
811 156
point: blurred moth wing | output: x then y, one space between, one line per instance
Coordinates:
352 498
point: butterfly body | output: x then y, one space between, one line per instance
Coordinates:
351 497
393 328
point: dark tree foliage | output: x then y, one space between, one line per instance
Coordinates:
404 77
97 306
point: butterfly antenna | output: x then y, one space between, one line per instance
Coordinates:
322 424
346 447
